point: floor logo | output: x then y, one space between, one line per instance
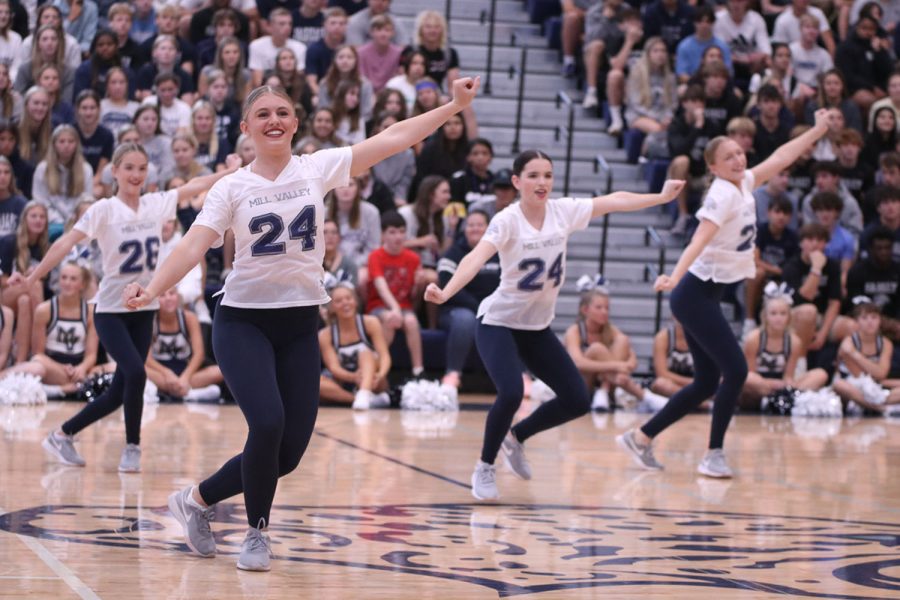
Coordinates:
528 549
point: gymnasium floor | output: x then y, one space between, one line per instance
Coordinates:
380 508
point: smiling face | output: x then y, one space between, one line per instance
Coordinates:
270 122
37 106
729 161
130 173
476 225
343 302
536 180
36 220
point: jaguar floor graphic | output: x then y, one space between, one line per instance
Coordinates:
529 549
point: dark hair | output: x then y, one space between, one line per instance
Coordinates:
882 233
429 222
769 92
776 46
526 157
848 136
163 77
886 193
827 166
866 17
695 93
782 205
392 219
815 231
480 142
890 159
715 68
87 95
866 308
487 217
97 63
227 14
704 12
827 201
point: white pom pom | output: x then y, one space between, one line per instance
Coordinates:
22 389
429 396
821 403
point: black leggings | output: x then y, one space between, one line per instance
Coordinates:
716 354
126 337
270 361
503 352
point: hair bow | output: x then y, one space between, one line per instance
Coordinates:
857 300
588 283
780 291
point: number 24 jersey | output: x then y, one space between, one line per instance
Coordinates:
532 263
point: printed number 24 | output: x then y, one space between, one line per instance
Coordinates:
748 234
271 225
535 268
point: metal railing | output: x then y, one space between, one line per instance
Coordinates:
447 4
520 99
601 164
490 18
563 98
651 235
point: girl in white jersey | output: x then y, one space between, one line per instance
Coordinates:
127 228
514 322
265 331
720 252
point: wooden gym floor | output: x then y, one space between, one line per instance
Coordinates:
380 508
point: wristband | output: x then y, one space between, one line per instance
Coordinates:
816 273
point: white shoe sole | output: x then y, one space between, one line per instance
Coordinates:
127 470
620 441
477 497
708 473
179 516
53 452
256 569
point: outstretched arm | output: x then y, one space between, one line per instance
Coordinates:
467 269
785 156
58 251
202 184
184 257
404 134
705 232
627 201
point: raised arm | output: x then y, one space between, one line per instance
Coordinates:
705 232
467 269
785 156
202 184
404 134
183 258
627 201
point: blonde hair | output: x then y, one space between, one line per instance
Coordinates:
213 135
641 72
36 60
261 91
709 154
607 333
23 253
768 302
743 125
430 15
76 183
195 168
120 153
32 133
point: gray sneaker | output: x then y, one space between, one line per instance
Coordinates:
484 482
514 455
194 523
715 465
642 455
255 551
131 459
62 448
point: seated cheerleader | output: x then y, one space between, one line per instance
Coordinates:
672 360
772 352
354 353
64 339
176 362
864 362
601 352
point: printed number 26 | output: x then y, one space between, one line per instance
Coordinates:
137 252
271 225
535 268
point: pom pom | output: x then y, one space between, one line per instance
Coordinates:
94 385
819 403
871 389
21 389
429 396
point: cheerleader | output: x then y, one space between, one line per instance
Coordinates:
514 321
772 352
128 228
720 253
176 364
265 331
672 361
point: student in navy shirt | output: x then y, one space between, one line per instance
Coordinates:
11 201
776 243
309 21
877 276
320 54
672 20
97 142
22 169
91 74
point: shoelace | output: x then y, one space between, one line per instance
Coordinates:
257 540
487 475
207 515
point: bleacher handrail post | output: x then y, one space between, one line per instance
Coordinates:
520 100
490 49
563 98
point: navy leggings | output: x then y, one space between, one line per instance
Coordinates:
504 351
270 360
716 354
126 338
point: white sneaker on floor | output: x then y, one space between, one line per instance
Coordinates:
151 393
380 400
484 482
601 400
653 400
362 400
624 398
715 465
204 394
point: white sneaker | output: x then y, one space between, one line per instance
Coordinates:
590 99
714 465
362 400
623 398
484 482
601 400
380 400
151 393
514 455
653 400
541 392
204 394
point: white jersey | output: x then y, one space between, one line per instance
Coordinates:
532 263
277 229
129 243
728 257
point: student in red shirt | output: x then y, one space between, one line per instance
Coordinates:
392 271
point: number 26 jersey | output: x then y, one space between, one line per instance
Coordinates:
532 263
279 245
